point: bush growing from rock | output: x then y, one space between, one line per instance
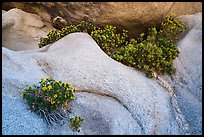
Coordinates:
155 54
50 100
75 123
108 39
152 53
55 35
172 28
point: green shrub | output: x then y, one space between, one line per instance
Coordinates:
108 39
50 100
152 53
55 35
75 123
86 27
172 28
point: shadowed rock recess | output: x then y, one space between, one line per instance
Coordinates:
111 97
135 17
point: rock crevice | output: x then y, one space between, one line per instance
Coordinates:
117 100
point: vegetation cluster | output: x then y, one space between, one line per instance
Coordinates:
152 53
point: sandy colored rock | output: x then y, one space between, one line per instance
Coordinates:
184 8
135 17
22 30
59 22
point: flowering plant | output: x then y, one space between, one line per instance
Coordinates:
50 100
153 52
75 123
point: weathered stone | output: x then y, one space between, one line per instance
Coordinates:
187 82
184 8
112 98
59 22
21 30
135 17
77 59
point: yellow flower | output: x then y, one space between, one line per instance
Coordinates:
55 81
22 93
72 98
49 87
52 102
73 89
55 96
42 79
44 88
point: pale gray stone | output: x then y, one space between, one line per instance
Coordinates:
111 97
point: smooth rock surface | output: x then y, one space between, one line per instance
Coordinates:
112 98
187 82
77 59
21 30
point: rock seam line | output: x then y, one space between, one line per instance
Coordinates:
182 123
106 95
